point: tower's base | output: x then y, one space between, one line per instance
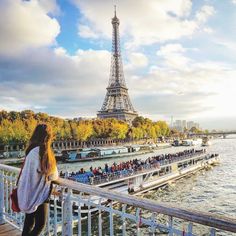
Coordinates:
120 115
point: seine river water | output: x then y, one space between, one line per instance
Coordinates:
211 190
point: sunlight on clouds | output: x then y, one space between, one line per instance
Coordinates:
148 22
137 60
167 66
26 25
173 56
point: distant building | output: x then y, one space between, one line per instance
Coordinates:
178 124
190 124
182 125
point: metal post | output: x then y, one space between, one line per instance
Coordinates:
123 220
111 218
2 220
213 232
55 215
100 218
138 221
79 215
170 226
190 229
89 217
67 218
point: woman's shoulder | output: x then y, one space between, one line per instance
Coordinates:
34 151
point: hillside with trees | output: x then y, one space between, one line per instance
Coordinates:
18 126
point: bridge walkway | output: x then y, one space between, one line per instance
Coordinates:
9 230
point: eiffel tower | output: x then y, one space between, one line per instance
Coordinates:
117 103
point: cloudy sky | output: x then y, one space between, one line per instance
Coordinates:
178 55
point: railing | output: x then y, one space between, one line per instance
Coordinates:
80 209
142 168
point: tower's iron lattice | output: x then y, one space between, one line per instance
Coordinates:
117 103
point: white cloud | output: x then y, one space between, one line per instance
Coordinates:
204 13
147 22
173 56
86 32
230 45
50 6
26 24
137 60
234 1
180 86
65 85
167 83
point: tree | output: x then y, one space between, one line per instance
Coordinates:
84 131
20 132
164 128
195 130
119 130
6 132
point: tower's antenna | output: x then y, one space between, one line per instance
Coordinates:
115 10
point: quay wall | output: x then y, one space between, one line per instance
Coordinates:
75 144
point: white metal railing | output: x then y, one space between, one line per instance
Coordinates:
79 209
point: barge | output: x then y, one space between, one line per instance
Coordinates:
150 176
143 179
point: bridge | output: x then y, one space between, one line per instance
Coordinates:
79 209
218 133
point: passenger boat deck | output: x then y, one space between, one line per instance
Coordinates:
153 173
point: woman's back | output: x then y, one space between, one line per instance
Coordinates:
33 187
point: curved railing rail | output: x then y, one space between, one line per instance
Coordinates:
209 219
80 209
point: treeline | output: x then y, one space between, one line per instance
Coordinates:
18 127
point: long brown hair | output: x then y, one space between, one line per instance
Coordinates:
42 138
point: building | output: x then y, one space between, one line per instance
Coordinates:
117 103
182 125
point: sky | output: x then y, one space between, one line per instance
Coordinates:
178 57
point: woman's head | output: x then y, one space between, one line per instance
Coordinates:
42 138
41 135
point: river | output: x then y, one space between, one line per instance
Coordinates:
213 190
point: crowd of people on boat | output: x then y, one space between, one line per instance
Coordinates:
130 166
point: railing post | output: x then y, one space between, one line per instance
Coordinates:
213 232
67 218
2 220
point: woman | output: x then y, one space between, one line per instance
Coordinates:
34 185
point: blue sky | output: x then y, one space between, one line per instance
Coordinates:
179 57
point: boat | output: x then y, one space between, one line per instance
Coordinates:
147 177
100 153
176 143
191 142
150 176
205 142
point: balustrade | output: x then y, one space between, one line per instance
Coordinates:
81 209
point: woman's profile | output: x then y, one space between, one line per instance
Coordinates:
34 184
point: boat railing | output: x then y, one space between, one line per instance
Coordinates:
80 209
111 176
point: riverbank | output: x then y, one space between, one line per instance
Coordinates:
19 161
